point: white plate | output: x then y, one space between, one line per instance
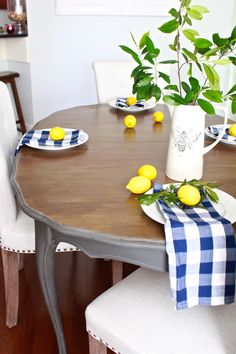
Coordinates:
226 207
83 137
215 137
147 105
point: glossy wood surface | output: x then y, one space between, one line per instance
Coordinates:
84 187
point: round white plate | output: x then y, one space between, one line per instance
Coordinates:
83 137
226 207
215 137
147 105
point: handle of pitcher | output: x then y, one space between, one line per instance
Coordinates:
208 148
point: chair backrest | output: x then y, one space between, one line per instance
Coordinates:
8 142
113 78
8 131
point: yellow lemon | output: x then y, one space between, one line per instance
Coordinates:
130 121
57 133
232 130
131 100
158 116
139 185
148 171
189 195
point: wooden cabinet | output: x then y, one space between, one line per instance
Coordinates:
3 4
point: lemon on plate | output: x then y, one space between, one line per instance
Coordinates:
158 116
130 121
232 130
189 195
139 185
57 133
148 171
131 100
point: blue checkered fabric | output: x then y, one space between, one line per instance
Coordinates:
121 102
42 138
201 253
217 130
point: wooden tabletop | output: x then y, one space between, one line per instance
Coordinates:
84 187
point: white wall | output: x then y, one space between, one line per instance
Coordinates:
63 48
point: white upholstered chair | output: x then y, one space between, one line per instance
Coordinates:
137 316
113 78
17 234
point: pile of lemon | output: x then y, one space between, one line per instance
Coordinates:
130 120
142 182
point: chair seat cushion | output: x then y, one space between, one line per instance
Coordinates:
137 316
20 236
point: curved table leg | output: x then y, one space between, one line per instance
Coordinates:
45 252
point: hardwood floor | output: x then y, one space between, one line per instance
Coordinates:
79 280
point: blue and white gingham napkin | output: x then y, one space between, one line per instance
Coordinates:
214 130
121 102
42 138
201 254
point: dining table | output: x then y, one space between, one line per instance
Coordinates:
79 196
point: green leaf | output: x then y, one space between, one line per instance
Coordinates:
220 42
233 34
144 92
164 76
186 87
133 39
190 34
206 106
196 15
233 60
149 58
189 97
190 69
189 54
172 87
201 9
177 98
149 44
211 52
213 95
222 61
233 106
169 26
194 84
174 12
213 77
142 40
202 43
131 52
156 92
168 62
172 47
233 89
169 100
144 81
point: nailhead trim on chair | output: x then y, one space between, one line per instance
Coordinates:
33 251
106 344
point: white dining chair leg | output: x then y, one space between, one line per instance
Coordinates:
117 271
96 347
10 263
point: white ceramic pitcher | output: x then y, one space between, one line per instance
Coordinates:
186 144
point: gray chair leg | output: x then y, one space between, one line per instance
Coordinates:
10 261
96 347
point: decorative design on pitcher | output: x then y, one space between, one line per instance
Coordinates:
184 139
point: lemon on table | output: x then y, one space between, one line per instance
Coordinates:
189 195
158 116
139 185
148 171
130 121
232 130
57 133
131 100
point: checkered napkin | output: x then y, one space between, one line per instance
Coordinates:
217 130
121 102
201 254
42 138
